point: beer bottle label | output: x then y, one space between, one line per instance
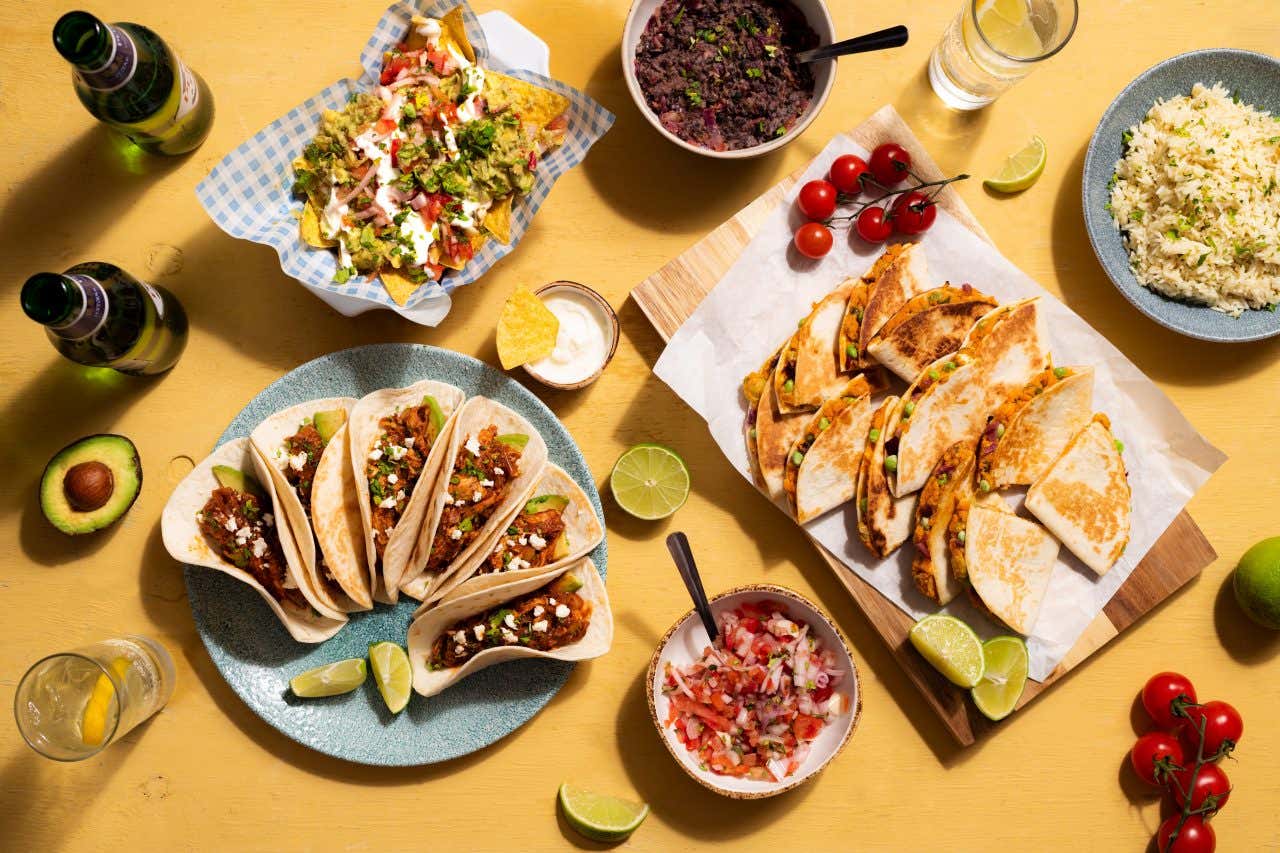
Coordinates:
93 311
119 67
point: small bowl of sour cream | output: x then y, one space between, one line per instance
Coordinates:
586 341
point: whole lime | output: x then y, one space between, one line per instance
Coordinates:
1257 583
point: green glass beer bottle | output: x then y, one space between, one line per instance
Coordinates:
129 79
98 315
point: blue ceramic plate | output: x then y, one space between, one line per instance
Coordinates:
1256 77
257 657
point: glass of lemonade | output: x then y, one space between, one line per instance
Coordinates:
71 705
993 44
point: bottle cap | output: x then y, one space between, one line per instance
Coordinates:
47 297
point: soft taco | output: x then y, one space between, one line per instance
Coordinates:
897 275
928 326
224 515
555 525
399 437
494 458
808 371
1032 428
561 614
884 521
306 448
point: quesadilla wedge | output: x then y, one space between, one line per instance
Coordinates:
848 342
822 465
897 275
560 614
884 522
771 434
753 389
1032 428
299 443
951 399
1084 497
809 370
225 516
928 326
956 533
1010 562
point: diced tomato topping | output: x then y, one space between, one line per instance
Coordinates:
392 69
822 694
448 111
395 151
384 126
437 58
751 624
807 727
533 160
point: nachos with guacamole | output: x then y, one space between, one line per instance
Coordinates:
410 180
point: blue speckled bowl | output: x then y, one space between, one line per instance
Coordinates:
257 657
1256 77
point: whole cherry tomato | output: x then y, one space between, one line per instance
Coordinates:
1196 836
874 225
914 212
890 164
1150 749
1211 781
813 240
817 200
1223 727
1158 695
847 173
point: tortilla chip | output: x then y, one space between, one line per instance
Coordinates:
531 103
526 329
399 286
309 227
455 31
498 220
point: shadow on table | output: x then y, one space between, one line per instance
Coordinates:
1163 354
1246 641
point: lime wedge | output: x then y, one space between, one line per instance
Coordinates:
1020 170
392 673
650 481
599 817
951 646
1001 686
330 679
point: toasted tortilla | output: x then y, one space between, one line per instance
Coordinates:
884 522
1036 429
848 341
1084 498
829 453
344 557
476 414
363 432
892 283
427 627
753 388
1010 562
816 364
951 480
186 543
453 34
309 228
775 432
928 326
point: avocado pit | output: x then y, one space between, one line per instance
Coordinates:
88 486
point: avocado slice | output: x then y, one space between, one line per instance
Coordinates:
237 480
517 440
565 584
560 548
328 423
545 502
437 414
91 483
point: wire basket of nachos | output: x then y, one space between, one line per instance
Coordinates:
394 189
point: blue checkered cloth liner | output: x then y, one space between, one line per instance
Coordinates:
249 193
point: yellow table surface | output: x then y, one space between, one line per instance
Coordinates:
207 773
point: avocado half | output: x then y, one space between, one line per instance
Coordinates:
91 483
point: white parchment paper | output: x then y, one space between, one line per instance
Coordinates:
762 297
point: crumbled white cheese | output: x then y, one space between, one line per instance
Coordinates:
509 636
524 540
551 601
562 611
375 454
487 484
408 442
537 542
243 534
298 461
472 445
498 472
392 479
455 534
538 611
479 632
459 650
230 524
477 497
259 547
388 503
540 626
396 452
510 621
448 499
459 636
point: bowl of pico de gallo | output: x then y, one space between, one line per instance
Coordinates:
764 707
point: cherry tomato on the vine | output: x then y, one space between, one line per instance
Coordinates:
914 212
1158 695
1196 836
890 164
1211 781
1223 727
813 240
817 200
1149 749
873 225
847 173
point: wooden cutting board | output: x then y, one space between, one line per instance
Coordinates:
672 293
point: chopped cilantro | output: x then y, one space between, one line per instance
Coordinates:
754 72
694 96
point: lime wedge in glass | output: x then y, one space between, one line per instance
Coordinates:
951 646
1001 686
1020 170
330 679
650 481
392 674
599 817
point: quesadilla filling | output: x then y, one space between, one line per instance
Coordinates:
868 453
998 423
857 388
395 462
956 538
549 618
847 342
478 484
245 535
536 537
956 463
936 375
753 387
785 377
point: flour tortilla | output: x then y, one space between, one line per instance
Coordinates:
827 474
186 543
817 364
884 521
928 326
895 282
775 433
1010 561
1041 429
426 628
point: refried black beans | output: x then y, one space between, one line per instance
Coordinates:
722 73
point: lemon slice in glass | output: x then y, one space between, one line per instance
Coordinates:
951 646
1020 170
93 721
330 679
998 692
392 674
600 817
1008 27
650 481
